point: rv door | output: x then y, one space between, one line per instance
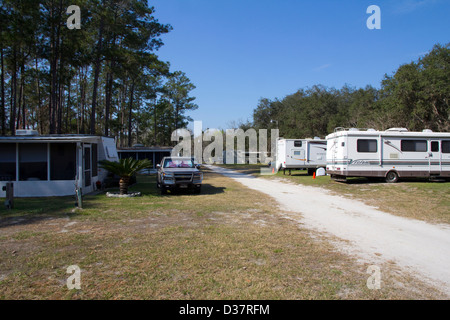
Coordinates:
434 158
87 167
297 156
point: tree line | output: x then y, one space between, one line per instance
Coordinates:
415 97
104 78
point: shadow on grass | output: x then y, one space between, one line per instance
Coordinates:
207 189
362 180
32 210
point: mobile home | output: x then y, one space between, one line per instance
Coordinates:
391 154
53 165
301 154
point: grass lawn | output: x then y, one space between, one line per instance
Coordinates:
418 199
227 243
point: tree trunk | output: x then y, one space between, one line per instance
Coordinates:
130 115
54 48
68 109
2 108
38 90
12 117
124 182
96 76
109 84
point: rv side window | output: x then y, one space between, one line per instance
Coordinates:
445 147
297 153
297 144
434 146
366 145
414 145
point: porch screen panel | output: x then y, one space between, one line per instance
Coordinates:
63 161
32 161
7 161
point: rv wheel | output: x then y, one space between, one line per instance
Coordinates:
392 177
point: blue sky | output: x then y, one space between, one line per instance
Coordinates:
236 52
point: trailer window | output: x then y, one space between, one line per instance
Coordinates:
367 145
297 144
445 146
414 145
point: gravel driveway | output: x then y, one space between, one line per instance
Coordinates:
376 237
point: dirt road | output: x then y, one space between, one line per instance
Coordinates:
374 236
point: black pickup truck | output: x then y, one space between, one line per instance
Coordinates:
179 173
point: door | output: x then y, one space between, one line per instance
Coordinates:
297 157
434 158
87 168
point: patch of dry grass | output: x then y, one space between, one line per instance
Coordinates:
228 243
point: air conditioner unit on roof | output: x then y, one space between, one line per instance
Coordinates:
398 129
26 132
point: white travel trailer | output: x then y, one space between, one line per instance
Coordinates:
53 165
391 154
301 154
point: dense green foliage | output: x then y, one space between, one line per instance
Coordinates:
416 97
103 78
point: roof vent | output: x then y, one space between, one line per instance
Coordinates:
371 130
353 129
26 132
316 138
398 129
427 130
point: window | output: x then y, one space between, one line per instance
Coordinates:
297 153
298 143
94 160
145 155
178 163
414 145
87 166
32 161
7 162
62 161
445 146
434 146
126 155
367 145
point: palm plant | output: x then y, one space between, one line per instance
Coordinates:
125 169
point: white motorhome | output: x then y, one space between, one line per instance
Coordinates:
391 154
53 165
301 154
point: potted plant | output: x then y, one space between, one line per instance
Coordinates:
125 169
